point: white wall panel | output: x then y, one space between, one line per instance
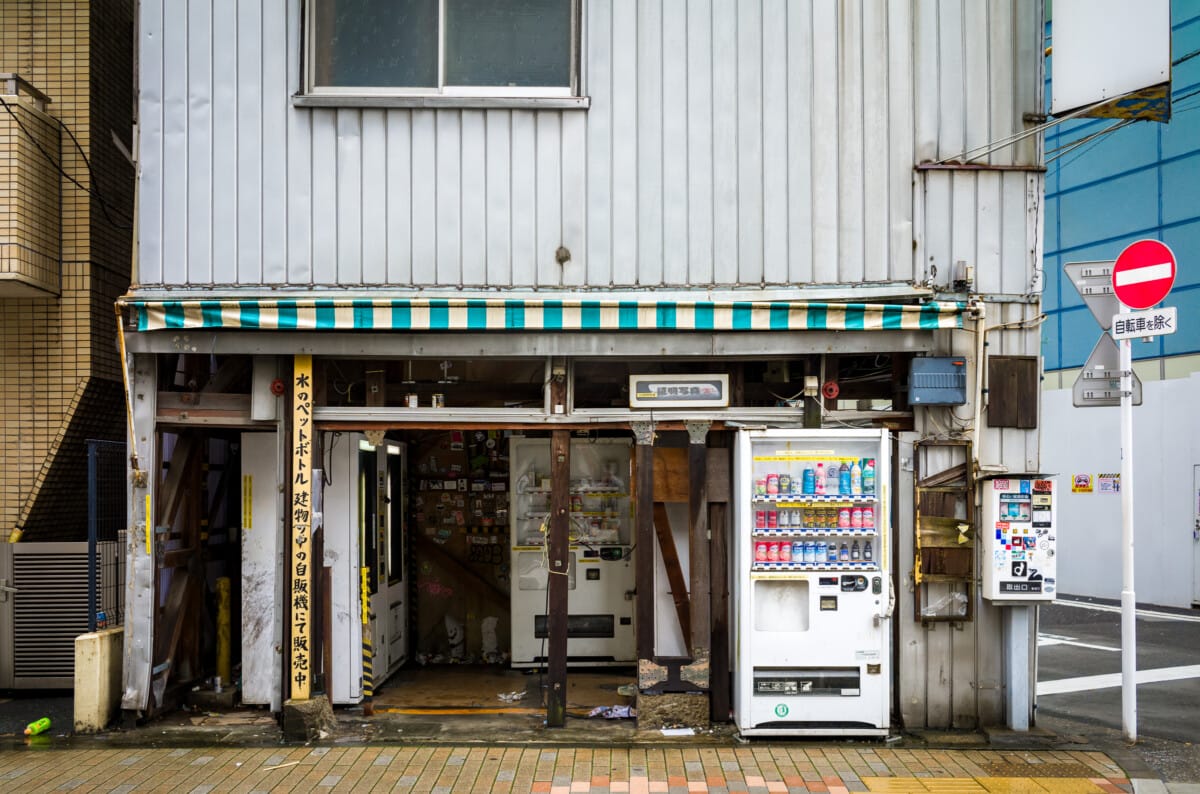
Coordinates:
727 143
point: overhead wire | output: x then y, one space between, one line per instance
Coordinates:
93 192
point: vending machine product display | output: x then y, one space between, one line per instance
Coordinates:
1019 538
812 583
600 570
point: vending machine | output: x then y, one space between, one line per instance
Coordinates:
600 568
1019 538
813 594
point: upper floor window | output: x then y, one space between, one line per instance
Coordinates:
469 48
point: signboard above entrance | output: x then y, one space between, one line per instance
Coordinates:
678 391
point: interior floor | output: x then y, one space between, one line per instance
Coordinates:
489 689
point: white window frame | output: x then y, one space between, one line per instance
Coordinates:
569 92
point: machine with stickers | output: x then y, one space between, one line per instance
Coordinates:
1019 538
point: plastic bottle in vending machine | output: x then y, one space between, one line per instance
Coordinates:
869 476
807 480
797 550
844 553
831 552
844 478
819 479
856 518
822 552
832 477
868 554
868 517
856 479
855 553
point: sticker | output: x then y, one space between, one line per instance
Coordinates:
781 710
1081 483
1018 554
1000 485
1109 483
1030 542
1043 486
1025 485
1019 569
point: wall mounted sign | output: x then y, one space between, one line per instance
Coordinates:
678 391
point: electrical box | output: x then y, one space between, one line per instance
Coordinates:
937 381
1019 538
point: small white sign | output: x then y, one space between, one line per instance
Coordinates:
1154 322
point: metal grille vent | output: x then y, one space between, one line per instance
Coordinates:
50 609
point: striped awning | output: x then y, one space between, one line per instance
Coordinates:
537 314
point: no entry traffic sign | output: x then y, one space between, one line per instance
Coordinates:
1143 274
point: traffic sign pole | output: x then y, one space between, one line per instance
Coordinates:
1128 602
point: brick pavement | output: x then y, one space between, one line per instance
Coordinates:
743 769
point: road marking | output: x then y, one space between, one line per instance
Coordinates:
1143 613
1058 639
1089 683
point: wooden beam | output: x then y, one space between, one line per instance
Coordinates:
183 458
644 561
670 557
698 541
462 573
720 684
559 557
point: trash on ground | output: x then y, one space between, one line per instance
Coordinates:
678 732
37 726
512 697
612 712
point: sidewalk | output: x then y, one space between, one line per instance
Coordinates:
754 769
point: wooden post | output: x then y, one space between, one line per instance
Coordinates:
644 564
559 559
718 520
698 540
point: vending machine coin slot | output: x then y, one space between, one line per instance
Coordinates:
854 584
828 581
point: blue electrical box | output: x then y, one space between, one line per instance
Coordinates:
937 381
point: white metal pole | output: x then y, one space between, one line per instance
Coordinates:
1128 602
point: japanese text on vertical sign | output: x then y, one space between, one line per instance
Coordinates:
301 519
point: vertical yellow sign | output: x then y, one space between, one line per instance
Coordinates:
301 519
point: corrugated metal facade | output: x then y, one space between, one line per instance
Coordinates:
727 143
773 145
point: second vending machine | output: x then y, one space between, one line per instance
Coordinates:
812 583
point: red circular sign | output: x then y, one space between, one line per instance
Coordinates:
1143 274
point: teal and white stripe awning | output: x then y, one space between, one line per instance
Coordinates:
538 314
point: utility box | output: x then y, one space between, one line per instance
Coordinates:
937 381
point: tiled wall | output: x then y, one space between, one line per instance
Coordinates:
58 362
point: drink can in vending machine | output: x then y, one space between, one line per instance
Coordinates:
772 519
772 483
760 551
785 483
772 552
810 551
760 486
822 550
760 519
797 550
785 552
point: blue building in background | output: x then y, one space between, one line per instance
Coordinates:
1109 183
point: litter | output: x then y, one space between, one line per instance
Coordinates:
38 726
627 690
612 712
512 697
678 732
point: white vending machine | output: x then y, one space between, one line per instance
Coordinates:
1019 538
812 586
600 571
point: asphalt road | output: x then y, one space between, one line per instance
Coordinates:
1079 679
